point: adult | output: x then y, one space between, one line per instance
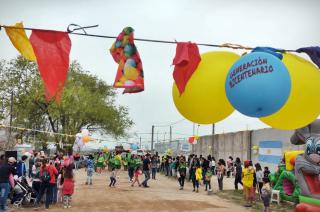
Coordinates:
6 170
100 163
247 179
21 166
238 175
205 166
259 176
131 166
220 173
146 170
48 174
35 175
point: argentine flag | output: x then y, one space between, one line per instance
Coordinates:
270 151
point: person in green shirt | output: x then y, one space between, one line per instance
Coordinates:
100 163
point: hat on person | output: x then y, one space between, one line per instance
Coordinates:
11 160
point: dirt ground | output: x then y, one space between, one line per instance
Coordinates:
163 195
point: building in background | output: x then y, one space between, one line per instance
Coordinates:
177 147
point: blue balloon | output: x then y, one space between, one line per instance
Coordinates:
258 84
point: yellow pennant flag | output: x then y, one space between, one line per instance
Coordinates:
20 40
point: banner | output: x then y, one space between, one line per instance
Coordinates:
186 61
20 41
124 52
52 49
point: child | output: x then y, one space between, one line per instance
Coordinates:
208 180
198 178
60 185
247 180
137 173
68 186
90 170
266 194
113 177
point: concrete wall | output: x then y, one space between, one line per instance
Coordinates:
224 145
272 135
239 144
175 147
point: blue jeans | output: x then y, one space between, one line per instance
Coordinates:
4 191
54 192
147 177
153 172
130 172
45 188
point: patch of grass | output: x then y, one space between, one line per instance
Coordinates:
237 197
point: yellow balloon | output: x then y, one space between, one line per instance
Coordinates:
204 100
303 105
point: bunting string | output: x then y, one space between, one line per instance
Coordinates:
72 31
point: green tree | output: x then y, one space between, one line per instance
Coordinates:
87 102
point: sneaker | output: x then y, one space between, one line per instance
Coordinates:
86 183
180 188
69 206
197 191
131 185
210 190
193 190
206 190
139 185
65 206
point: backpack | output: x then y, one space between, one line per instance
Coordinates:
45 177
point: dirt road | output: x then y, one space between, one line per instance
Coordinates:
163 195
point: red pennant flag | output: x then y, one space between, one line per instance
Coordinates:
186 62
52 49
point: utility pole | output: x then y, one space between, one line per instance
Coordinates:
152 137
213 132
170 134
140 143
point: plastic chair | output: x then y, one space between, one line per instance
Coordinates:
275 196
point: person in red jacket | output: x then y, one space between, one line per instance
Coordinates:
68 186
48 174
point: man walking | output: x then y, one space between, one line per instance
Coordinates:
146 170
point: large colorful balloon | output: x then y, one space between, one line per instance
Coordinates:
258 84
303 105
204 100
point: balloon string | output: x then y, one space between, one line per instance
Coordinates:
225 45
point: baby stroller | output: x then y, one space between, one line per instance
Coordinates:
23 194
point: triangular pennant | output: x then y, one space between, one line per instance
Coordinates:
52 49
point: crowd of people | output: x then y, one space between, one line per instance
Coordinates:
37 179
51 179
